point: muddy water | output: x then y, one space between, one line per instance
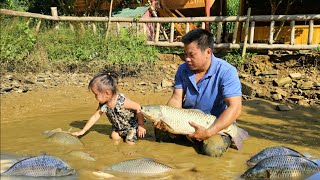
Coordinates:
25 116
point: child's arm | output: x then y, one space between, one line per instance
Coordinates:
128 104
94 118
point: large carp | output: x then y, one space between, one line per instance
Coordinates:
272 151
139 166
40 166
177 121
62 137
282 167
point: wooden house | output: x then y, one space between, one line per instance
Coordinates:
261 31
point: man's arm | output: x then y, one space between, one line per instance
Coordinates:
227 117
176 98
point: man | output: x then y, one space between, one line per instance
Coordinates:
209 84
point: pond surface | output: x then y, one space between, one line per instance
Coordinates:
25 116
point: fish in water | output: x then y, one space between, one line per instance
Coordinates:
82 155
272 151
40 166
144 166
62 137
282 167
177 121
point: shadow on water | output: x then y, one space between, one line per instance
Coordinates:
282 126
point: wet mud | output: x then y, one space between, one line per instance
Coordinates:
24 117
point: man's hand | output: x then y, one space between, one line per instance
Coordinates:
200 133
160 125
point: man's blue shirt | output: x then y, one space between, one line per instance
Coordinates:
220 81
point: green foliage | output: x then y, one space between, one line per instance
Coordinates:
18 5
232 10
71 51
128 48
17 40
66 45
235 59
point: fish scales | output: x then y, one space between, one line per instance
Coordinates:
139 166
40 166
272 151
282 167
64 138
177 120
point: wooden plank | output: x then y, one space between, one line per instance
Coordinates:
263 18
310 32
292 32
238 46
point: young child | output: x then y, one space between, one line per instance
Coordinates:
125 115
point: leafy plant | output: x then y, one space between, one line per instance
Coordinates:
17 40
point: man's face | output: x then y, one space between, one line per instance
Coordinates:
195 58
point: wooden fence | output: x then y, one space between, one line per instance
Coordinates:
171 41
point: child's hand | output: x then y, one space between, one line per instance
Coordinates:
79 133
141 131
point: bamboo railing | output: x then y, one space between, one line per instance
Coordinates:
171 42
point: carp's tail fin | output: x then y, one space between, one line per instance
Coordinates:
239 136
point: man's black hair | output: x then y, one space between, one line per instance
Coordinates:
203 38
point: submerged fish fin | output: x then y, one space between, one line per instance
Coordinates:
239 137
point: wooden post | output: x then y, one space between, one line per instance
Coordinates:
94 28
144 28
310 33
292 32
38 26
252 32
188 27
118 28
246 33
28 21
157 32
271 32
235 32
54 13
219 31
82 27
171 32
203 25
71 26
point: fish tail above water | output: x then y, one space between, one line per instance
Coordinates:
237 134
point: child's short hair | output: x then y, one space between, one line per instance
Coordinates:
104 80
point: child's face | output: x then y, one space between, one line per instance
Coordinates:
102 97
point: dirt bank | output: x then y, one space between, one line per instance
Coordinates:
291 79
